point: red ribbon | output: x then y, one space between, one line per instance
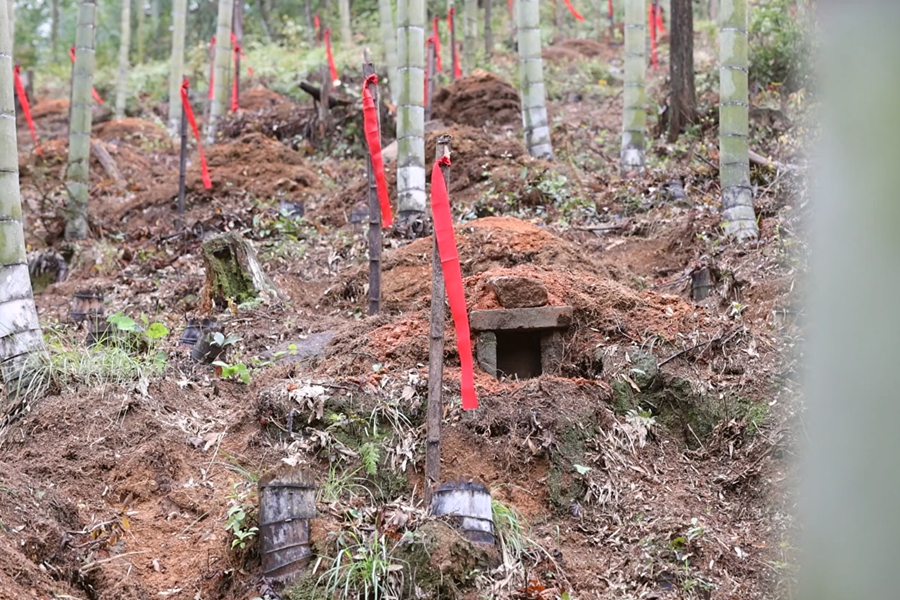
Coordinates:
509 7
609 7
457 70
446 242
437 46
204 170
240 50
651 17
574 12
318 26
93 91
26 108
373 139
659 20
334 73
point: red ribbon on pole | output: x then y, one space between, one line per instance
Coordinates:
373 139
509 7
240 50
457 70
204 170
334 73
609 8
574 12
651 17
318 25
437 46
93 91
659 20
26 108
446 242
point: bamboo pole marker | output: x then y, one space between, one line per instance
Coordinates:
182 160
374 211
436 352
238 32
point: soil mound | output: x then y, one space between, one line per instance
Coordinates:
585 47
130 130
257 164
477 100
559 54
260 98
50 108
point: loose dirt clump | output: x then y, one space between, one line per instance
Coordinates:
259 98
585 47
480 99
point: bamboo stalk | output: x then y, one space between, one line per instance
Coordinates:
436 352
531 77
222 69
453 58
124 46
389 41
471 34
238 28
634 114
429 72
411 198
374 212
176 66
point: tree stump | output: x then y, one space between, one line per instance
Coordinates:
233 272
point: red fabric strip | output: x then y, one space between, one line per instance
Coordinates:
240 50
574 12
659 20
212 67
651 18
185 101
373 139
26 108
235 52
334 73
509 7
437 46
318 24
93 91
457 70
446 242
609 7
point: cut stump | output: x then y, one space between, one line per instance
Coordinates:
233 272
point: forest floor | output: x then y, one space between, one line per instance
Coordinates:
657 461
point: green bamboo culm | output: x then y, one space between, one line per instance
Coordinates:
738 219
346 32
410 108
634 113
78 173
176 70
20 331
12 25
531 78
124 46
389 41
471 34
222 68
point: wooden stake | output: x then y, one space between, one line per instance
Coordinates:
488 32
182 160
436 354
324 112
374 211
453 46
429 81
237 20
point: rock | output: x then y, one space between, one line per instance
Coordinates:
644 368
518 292
545 317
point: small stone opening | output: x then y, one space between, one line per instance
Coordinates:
519 354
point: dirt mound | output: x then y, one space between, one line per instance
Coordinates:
259 98
559 54
130 130
585 47
259 165
50 108
477 100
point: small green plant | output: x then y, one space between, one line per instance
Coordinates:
240 517
238 371
341 484
363 568
223 342
370 455
509 527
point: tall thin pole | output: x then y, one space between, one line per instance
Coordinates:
453 58
238 27
429 79
374 212
436 353
182 160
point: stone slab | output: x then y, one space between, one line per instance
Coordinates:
514 291
544 317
